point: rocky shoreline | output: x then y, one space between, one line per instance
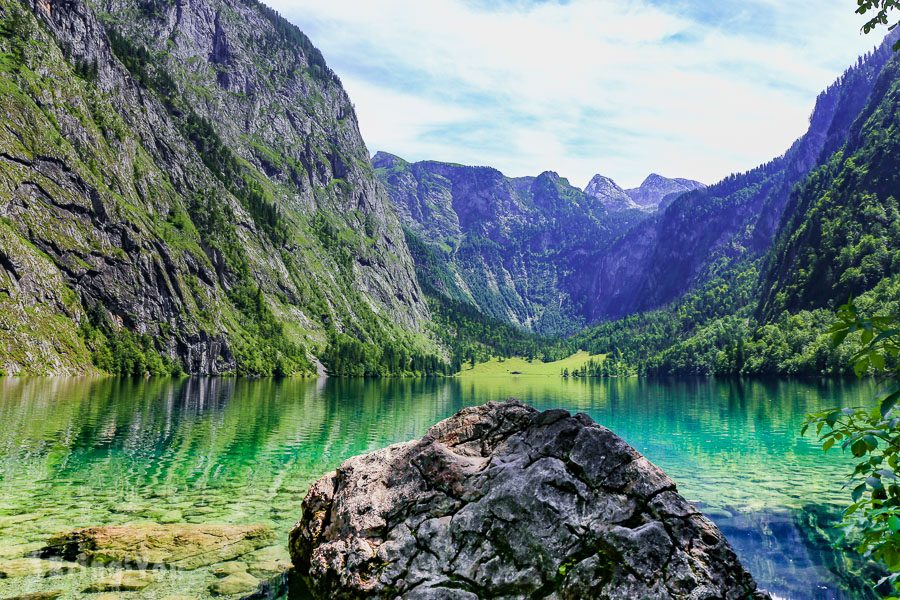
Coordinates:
499 500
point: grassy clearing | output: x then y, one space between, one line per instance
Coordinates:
522 366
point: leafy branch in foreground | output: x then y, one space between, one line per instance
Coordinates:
880 17
872 436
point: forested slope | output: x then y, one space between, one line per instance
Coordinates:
768 311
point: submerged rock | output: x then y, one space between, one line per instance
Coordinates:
48 595
34 567
182 546
235 583
501 500
126 581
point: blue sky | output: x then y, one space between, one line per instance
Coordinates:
685 88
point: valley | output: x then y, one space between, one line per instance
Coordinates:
214 292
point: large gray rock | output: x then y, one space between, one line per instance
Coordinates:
503 501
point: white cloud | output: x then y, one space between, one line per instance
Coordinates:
583 86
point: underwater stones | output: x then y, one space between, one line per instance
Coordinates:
503 500
236 583
181 546
229 568
170 516
126 581
268 568
18 549
34 567
48 595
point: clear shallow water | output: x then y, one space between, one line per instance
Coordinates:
82 452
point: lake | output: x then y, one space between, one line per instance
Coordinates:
82 452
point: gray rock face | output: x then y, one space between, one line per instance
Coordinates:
609 193
520 249
224 155
503 501
656 188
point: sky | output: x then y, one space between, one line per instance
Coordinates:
684 88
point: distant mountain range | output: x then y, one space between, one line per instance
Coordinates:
183 186
654 193
627 251
523 250
519 249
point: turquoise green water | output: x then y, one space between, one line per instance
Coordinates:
81 452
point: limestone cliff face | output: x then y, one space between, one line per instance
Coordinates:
192 171
520 249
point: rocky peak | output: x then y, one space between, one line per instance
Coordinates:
656 187
386 160
610 194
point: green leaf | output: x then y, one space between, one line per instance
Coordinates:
828 444
857 492
859 448
870 440
894 523
889 402
838 337
861 366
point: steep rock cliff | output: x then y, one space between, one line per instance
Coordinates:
190 175
841 234
519 249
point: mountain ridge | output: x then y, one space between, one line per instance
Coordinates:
185 188
516 247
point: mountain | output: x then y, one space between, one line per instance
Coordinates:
702 232
657 191
519 249
764 301
841 234
184 186
610 194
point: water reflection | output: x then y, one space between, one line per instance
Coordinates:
79 452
